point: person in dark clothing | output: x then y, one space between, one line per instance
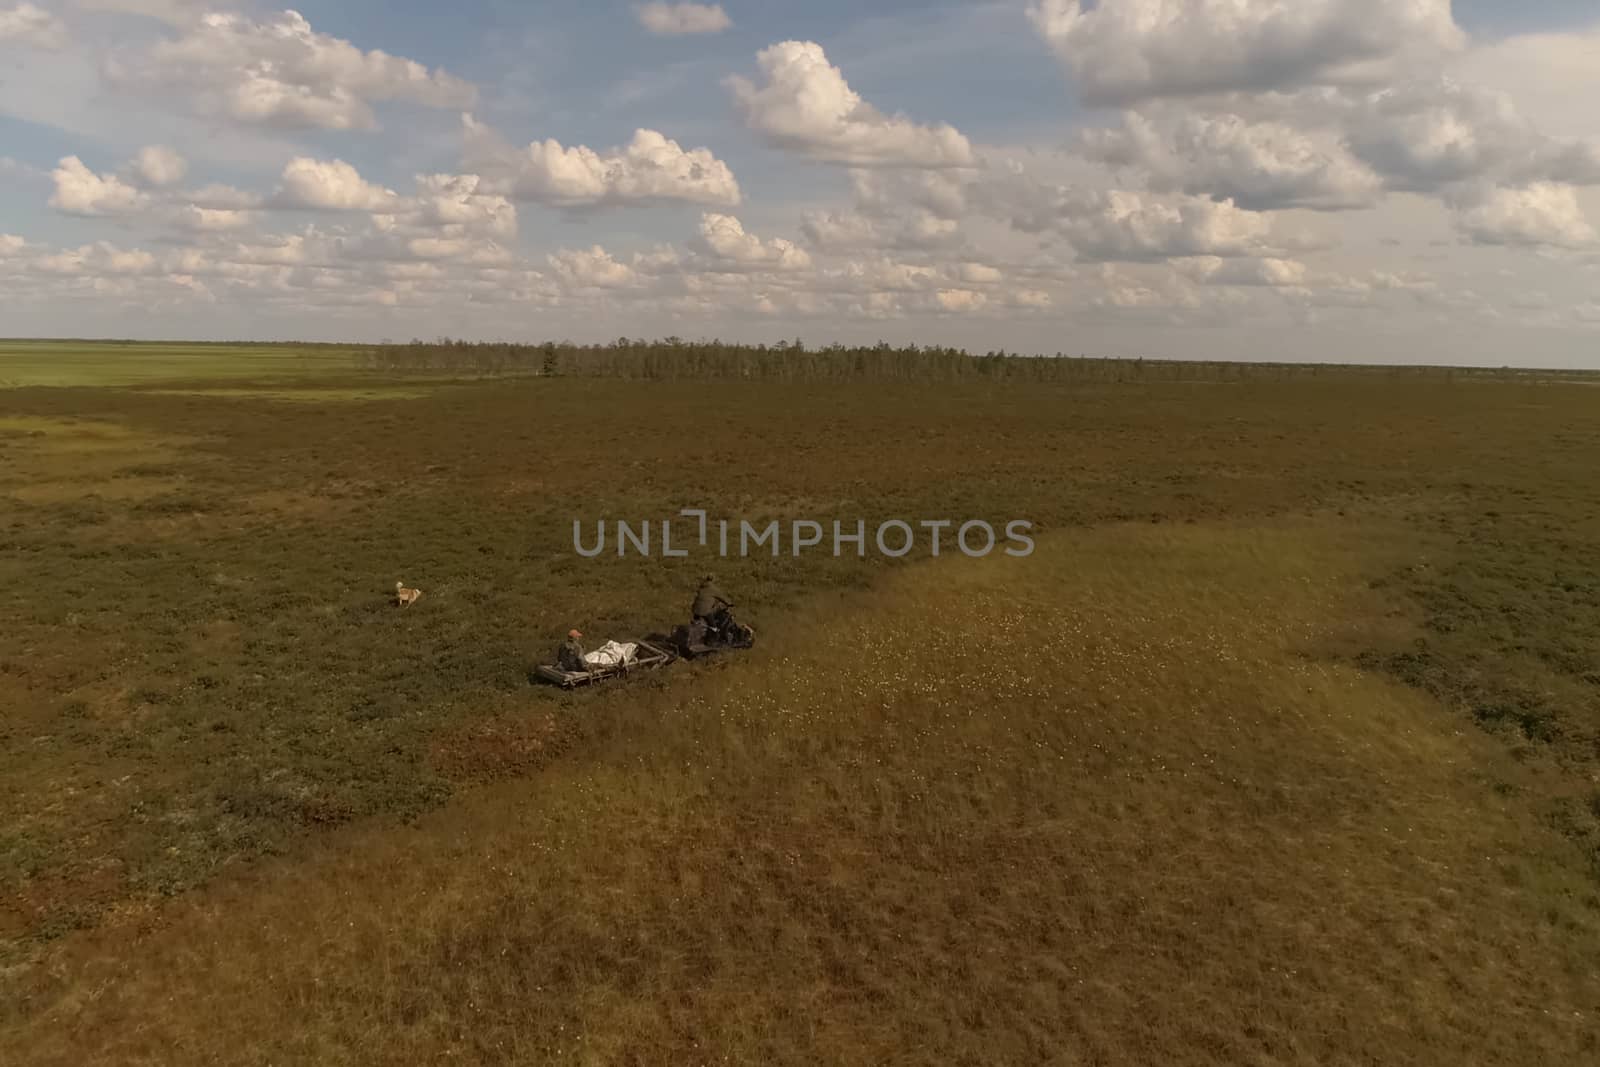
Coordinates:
570 656
710 605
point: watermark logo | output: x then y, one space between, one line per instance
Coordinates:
742 539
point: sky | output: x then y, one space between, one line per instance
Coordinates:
1391 181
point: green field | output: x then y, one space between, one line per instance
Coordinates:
1283 748
112 363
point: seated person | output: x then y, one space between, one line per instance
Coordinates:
711 606
570 656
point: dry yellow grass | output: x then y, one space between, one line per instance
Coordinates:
138 757
1106 805
66 460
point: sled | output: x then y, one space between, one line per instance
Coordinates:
652 656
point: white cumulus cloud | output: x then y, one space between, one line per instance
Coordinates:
979 274
80 191
159 166
1123 225
1543 213
837 231
223 198
30 25
280 72
1260 166
886 192
960 300
724 238
651 167
591 268
1265 271
1428 134
176 12
102 257
1117 51
210 220
883 275
807 106
330 185
456 203
672 20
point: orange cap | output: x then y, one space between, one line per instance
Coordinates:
573 633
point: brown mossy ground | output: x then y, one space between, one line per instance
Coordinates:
1281 749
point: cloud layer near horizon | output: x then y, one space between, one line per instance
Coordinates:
1227 163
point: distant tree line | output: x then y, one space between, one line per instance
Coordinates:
792 361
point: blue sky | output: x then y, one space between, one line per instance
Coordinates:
1360 175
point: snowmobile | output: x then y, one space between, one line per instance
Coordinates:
708 637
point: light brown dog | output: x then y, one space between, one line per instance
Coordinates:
405 597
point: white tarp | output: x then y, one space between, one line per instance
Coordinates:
612 654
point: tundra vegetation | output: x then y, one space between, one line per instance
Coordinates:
1282 748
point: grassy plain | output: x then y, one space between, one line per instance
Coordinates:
111 363
1282 749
